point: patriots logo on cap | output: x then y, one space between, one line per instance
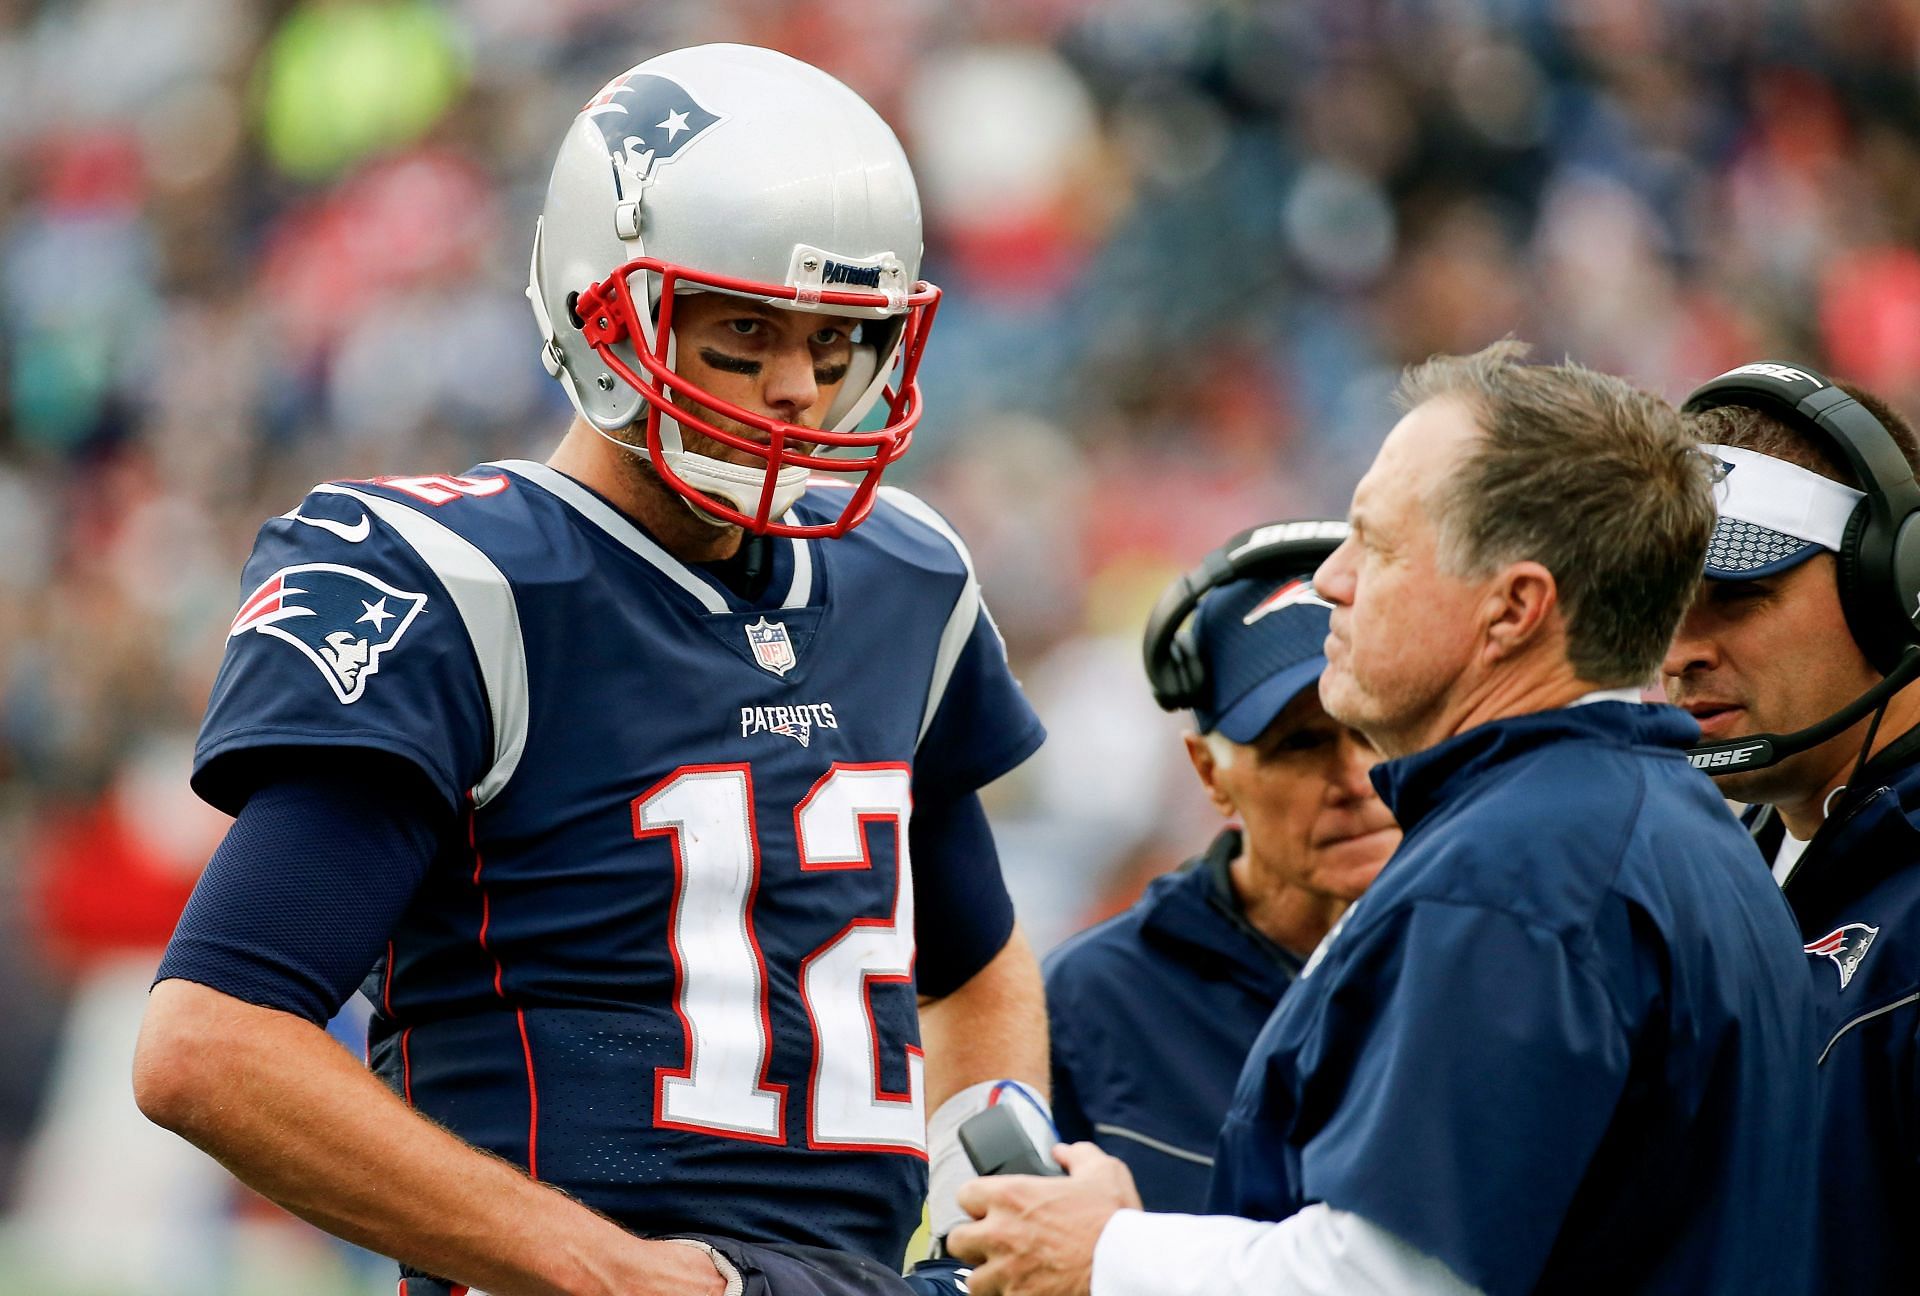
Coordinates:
340 618
646 120
1846 946
1297 591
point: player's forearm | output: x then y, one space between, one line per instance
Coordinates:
293 1115
993 1027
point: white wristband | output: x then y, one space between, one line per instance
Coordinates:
723 1266
947 1164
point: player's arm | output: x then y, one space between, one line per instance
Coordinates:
293 909
293 1115
993 1027
983 1009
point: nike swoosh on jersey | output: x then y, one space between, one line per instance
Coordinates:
353 533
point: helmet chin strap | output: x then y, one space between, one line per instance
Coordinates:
738 484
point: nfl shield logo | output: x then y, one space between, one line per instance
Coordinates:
771 647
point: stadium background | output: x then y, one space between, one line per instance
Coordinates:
1186 245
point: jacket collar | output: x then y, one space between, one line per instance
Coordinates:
1414 786
1884 812
1196 912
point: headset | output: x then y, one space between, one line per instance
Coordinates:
1175 667
1878 563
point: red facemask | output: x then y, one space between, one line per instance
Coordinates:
609 315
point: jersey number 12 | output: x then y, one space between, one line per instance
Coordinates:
706 813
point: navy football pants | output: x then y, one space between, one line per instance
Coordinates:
768 1271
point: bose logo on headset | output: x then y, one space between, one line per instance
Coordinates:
1287 533
1735 757
1780 372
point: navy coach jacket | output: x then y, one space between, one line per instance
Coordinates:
1856 893
1560 1045
1152 1013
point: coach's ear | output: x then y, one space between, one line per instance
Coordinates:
1207 764
1521 611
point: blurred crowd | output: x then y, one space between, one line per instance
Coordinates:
1186 245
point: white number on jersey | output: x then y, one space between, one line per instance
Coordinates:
706 811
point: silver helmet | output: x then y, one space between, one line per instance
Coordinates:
726 168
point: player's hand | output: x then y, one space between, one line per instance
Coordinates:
1035 1237
683 1265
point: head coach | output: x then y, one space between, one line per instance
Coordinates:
1153 1011
1796 660
1559 1045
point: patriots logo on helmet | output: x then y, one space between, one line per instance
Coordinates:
646 120
340 618
1846 946
1297 591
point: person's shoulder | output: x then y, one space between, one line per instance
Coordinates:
1112 955
902 528
1544 840
485 500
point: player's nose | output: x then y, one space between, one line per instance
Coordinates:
791 389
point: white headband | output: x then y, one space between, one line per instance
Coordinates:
1783 497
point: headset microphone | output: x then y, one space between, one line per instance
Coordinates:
1757 751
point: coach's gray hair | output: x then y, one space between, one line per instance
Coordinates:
1599 482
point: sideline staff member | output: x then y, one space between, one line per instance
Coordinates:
1154 1010
1804 616
1560 1045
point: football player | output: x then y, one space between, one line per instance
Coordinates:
636 788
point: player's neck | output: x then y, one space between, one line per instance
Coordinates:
626 479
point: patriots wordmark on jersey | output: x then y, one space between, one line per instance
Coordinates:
668 960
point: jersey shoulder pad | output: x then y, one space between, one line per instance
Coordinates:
331 579
909 530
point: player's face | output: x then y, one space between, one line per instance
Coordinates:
1311 816
1404 631
1771 656
786 364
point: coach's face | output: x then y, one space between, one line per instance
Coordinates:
1771 656
1404 632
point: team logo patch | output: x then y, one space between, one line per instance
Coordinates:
340 618
646 120
1295 592
772 647
1846 946
795 722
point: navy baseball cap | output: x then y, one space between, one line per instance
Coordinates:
1264 643
1774 515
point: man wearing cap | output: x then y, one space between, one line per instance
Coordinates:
1769 648
1562 1042
1153 1011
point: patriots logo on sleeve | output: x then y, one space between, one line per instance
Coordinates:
340 618
1846 946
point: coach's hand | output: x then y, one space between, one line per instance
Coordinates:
1034 1236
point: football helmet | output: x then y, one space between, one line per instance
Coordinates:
732 169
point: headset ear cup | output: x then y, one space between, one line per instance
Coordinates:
1904 573
1187 670
1864 578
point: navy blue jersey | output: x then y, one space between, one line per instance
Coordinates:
1561 1043
1151 1014
1856 893
666 961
